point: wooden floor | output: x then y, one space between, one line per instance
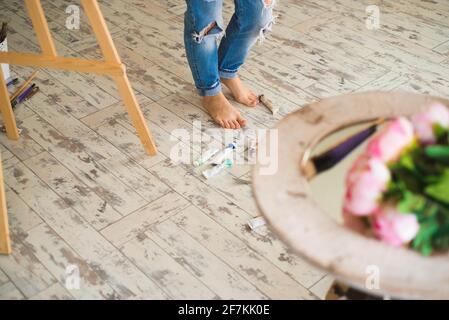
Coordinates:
81 192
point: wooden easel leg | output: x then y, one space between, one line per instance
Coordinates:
41 27
5 243
136 115
109 51
6 109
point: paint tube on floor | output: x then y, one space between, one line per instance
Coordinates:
252 149
269 104
206 156
227 163
256 223
224 154
251 143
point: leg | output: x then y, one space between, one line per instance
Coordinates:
251 20
203 24
6 110
5 244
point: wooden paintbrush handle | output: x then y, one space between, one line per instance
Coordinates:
24 86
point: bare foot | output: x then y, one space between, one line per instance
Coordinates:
241 93
223 112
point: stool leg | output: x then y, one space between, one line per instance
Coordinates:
6 109
5 243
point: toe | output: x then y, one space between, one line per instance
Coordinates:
254 102
241 121
231 124
253 95
253 99
223 124
236 124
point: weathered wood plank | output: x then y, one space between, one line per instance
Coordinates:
142 219
54 292
97 212
206 266
8 158
24 269
178 282
53 94
129 172
59 259
21 217
9 292
3 278
72 153
234 219
321 288
252 266
115 269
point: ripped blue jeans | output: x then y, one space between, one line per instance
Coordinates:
203 28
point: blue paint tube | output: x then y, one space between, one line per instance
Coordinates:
224 154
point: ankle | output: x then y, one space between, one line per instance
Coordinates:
227 80
216 97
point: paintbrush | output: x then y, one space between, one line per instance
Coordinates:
21 98
32 93
12 82
3 31
332 156
24 86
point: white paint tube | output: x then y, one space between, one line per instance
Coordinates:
208 154
224 154
251 139
256 223
227 163
252 150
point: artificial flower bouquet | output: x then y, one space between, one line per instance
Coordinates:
398 188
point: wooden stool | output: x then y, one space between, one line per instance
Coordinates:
284 198
111 66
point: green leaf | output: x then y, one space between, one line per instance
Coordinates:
423 241
441 133
406 161
440 190
411 203
438 152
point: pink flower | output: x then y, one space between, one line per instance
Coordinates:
390 142
424 122
395 228
365 183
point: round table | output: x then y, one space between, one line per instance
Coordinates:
284 199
